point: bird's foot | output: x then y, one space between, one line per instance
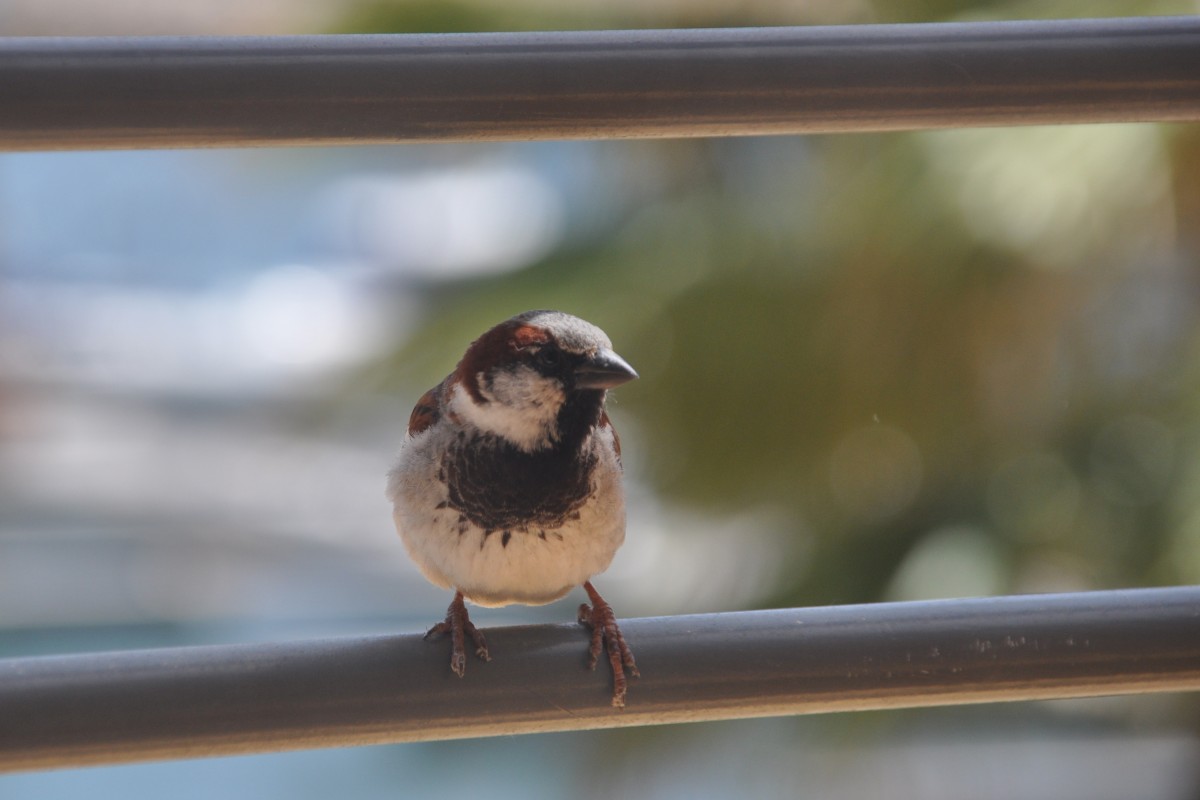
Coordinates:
599 617
458 625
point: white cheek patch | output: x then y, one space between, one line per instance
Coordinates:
522 407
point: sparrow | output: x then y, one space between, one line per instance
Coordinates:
507 488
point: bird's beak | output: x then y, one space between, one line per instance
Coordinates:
604 370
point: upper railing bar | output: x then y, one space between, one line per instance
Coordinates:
134 706
324 90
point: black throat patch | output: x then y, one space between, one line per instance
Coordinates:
499 487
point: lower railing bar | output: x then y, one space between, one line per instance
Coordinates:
64 711
58 93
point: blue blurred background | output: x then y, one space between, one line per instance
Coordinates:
875 367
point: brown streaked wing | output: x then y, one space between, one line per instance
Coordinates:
426 411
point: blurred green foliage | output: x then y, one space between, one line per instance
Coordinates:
457 16
952 362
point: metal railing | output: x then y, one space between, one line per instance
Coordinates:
203 701
324 90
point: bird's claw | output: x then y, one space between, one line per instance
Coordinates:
606 635
458 624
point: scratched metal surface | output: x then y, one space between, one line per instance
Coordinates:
202 701
323 90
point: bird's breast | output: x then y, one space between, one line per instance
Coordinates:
504 527
496 486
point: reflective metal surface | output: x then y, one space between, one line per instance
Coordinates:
157 704
324 90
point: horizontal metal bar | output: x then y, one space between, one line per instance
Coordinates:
60 93
204 701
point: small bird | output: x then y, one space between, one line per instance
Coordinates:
508 484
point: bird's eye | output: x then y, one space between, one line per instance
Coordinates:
549 357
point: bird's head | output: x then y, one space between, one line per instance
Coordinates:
533 375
